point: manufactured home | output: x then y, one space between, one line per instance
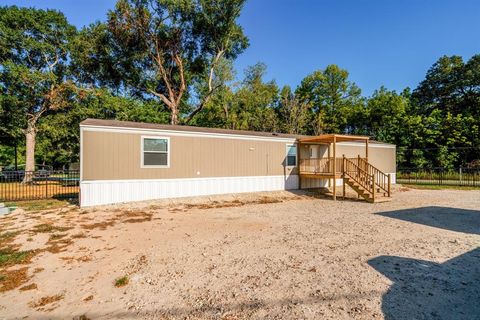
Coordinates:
129 161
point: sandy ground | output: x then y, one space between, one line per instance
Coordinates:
261 256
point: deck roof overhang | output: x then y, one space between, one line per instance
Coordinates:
332 138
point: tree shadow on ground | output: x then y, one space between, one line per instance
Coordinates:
71 198
454 219
426 290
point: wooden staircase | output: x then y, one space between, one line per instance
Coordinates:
367 181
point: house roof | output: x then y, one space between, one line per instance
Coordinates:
182 128
156 126
330 138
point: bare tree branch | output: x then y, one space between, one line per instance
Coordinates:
211 89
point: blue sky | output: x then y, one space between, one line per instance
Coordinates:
380 42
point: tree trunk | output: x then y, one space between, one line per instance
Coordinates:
30 136
16 156
174 115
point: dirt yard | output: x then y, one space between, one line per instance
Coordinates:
262 256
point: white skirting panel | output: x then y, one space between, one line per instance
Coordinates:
393 178
100 192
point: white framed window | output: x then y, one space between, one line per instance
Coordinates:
155 152
291 158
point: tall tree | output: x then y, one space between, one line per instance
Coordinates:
449 101
333 99
216 110
450 85
385 118
292 112
254 102
160 47
33 64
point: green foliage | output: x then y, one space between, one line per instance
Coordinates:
448 102
9 257
293 113
160 48
121 282
33 60
36 205
166 61
253 103
333 99
34 46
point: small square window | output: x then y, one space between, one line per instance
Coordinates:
291 159
155 152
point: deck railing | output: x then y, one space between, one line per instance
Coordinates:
382 180
323 166
358 169
355 172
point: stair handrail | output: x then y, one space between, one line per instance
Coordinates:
381 179
357 173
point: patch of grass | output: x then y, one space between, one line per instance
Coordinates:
58 246
214 204
84 258
31 286
57 236
38 204
99 225
121 282
136 217
231 204
46 227
9 257
266 200
79 235
46 300
439 187
8 235
12 279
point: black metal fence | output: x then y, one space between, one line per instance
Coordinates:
440 176
40 184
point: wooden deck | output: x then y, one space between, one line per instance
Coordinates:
321 175
323 168
370 183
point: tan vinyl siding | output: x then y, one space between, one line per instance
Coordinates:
382 157
117 156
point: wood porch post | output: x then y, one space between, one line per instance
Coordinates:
366 150
329 156
299 146
334 168
389 183
343 175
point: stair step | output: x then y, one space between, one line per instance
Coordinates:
363 179
382 199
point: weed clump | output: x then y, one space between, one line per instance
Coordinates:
121 282
46 300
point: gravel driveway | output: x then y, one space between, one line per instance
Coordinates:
263 256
